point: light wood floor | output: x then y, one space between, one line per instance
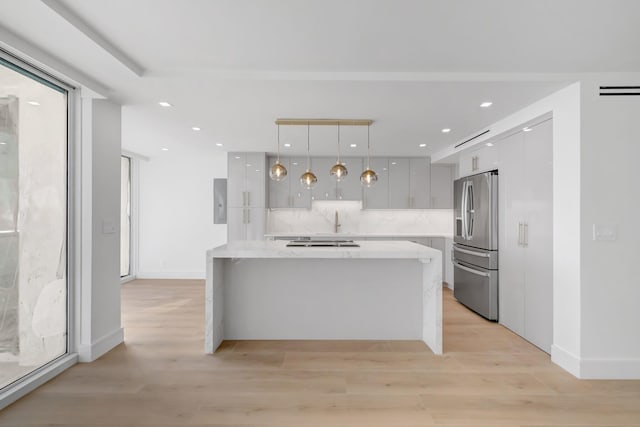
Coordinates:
161 377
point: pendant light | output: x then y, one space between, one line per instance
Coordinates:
368 178
278 172
308 179
338 171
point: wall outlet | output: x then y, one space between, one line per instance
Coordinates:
605 232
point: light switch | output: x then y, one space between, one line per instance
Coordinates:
108 227
605 232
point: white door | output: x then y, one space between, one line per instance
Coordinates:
538 269
511 219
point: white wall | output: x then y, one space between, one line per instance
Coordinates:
100 328
610 196
176 211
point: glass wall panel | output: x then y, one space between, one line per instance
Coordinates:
33 218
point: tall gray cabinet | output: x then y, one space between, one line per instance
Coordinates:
246 191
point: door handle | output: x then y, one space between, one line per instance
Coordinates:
471 270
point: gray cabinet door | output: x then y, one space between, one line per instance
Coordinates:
399 183
279 190
325 189
377 196
442 186
236 228
419 183
299 196
236 171
350 188
255 223
255 179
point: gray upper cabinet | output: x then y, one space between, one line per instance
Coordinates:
246 184
289 193
377 196
399 194
442 186
420 183
350 187
325 189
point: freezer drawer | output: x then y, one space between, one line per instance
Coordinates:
476 288
474 256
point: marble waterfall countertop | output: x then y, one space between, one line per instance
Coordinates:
367 250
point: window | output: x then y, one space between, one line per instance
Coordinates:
33 222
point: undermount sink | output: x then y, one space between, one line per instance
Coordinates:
323 243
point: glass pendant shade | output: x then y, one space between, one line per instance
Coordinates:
308 180
338 171
278 172
368 178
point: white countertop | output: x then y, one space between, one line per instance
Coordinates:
367 250
355 235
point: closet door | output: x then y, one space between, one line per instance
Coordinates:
538 269
511 219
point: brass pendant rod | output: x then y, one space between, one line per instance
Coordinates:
324 122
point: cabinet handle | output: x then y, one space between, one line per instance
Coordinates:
244 216
525 236
519 234
248 198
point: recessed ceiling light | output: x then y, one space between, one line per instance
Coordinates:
164 149
486 104
353 145
446 130
196 128
248 165
237 157
257 170
489 144
164 104
394 163
219 144
422 145
527 129
33 103
287 145
3 143
295 163
384 169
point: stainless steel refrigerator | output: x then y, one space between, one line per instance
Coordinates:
475 248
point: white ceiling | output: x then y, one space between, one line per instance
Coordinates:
232 67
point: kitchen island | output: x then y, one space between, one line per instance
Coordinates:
377 291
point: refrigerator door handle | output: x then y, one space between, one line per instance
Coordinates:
474 253
471 270
471 210
464 209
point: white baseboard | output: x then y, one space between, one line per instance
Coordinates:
89 353
36 379
596 369
171 275
610 369
566 360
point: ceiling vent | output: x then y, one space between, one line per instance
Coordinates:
619 90
473 137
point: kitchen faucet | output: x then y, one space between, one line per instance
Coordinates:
336 224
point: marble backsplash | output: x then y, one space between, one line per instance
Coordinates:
354 220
